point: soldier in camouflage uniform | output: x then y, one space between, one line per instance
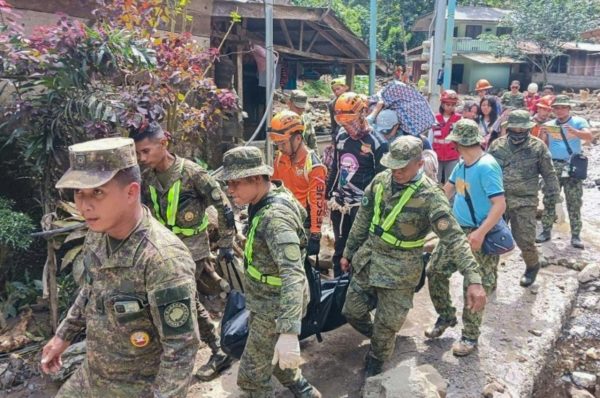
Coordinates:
513 98
478 175
576 130
178 191
298 103
523 158
137 301
275 281
385 247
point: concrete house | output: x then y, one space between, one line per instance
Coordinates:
472 58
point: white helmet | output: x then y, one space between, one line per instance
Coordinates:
532 88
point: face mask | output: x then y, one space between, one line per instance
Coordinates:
517 138
356 129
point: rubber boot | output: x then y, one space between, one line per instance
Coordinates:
576 242
218 362
544 236
440 327
303 389
529 276
373 366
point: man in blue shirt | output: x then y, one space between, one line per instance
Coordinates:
479 176
576 130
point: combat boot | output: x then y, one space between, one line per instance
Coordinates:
576 242
303 389
464 347
218 362
440 327
373 366
529 276
544 236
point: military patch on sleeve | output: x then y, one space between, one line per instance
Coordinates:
215 194
443 224
176 314
292 252
364 201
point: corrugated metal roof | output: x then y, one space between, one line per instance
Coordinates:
490 59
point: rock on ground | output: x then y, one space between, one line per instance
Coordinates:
405 382
589 273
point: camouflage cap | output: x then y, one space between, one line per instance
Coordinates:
338 81
94 163
562 100
402 151
519 119
244 161
465 132
299 99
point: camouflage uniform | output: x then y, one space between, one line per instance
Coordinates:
522 163
513 101
442 266
198 191
385 275
300 100
137 301
276 287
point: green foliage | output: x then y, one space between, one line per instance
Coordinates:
317 88
541 28
17 295
15 227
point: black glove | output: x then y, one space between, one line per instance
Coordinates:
226 253
314 244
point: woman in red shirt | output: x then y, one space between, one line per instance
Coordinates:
445 150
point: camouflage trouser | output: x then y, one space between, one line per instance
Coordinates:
440 270
254 374
522 226
205 325
392 307
78 386
573 195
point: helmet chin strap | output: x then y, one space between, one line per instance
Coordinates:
294 150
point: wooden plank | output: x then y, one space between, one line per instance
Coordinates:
312 42
52 286
301 44
337 45
257 11
350 71
284 28
320 57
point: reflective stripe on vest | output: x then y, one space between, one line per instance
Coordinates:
172 205
248 252
382 230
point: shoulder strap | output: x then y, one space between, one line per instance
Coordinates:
564 138
468 197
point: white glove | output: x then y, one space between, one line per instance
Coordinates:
287 352
561 217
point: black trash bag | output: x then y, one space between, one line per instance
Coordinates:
426 257
324 312
234 324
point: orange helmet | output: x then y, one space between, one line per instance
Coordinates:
284 125
449 97
546 102
482 84
349 107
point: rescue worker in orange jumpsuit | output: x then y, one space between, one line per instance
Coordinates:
301 171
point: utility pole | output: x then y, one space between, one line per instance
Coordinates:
270 75
372 47
449 44
438 53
